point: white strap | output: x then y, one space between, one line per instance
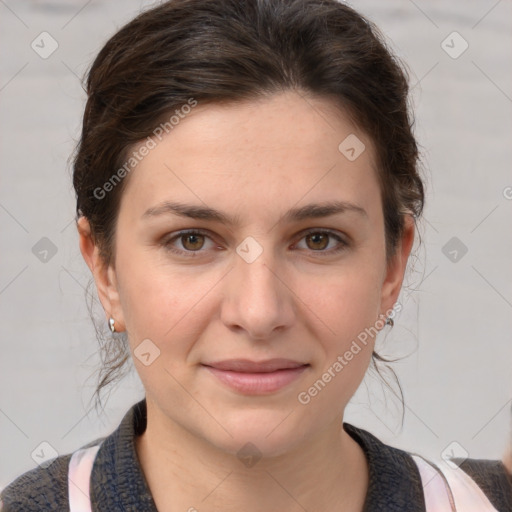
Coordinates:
445 489
437 494
448 489
79 476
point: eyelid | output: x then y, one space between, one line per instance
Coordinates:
167 241
343 243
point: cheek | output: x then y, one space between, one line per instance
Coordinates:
161 304
347 309
159 299
346 302
168 304
172 310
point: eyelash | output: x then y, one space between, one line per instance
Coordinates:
167 244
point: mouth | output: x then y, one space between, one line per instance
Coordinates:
256 378
248 366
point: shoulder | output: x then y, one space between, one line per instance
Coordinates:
42 488
396 484
492 478
116 472
394 479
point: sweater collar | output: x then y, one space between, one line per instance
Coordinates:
394 480
118 482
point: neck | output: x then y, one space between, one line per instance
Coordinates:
186 472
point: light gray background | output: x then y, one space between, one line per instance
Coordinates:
456 322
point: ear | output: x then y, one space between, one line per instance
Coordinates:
105 278
395 270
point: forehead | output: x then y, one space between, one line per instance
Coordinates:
256 155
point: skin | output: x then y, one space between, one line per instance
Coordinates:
507 459
257 160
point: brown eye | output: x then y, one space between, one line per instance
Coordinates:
319 241
192 241
188 243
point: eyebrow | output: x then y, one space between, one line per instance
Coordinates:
310 211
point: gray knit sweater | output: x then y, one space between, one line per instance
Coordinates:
118 483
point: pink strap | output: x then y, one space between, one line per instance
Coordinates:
437 494
447 489
79 476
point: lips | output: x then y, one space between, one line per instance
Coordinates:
256 377
247 366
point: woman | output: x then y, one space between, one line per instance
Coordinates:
247 196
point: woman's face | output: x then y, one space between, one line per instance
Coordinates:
258 286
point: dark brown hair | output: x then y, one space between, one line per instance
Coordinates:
236 50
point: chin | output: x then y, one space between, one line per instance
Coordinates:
260 433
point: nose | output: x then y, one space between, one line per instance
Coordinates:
257 297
